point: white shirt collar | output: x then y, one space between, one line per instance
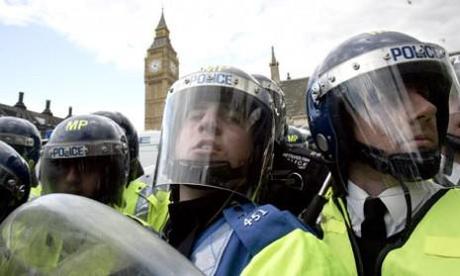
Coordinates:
394 200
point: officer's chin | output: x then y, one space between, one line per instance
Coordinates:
418 145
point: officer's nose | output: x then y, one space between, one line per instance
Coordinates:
210 122
72 178
424 110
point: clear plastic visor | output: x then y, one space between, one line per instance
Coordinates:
400 114
213 136
454 105
450 166
94 170
19 140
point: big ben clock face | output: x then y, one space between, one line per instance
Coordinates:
155 65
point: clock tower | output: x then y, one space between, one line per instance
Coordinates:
160 72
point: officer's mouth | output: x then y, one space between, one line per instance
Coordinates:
207 146
423 142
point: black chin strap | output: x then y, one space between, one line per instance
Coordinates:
453 141
215 173
403 166
449 160
452 146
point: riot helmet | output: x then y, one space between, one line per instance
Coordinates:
86 155
24 137
382 99
295 176
298 136
135 167
14 180
451 147
217 133
279 105
453 130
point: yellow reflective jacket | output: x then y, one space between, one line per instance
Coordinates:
145 205
158 212
35 191
432 248
297 253
131 196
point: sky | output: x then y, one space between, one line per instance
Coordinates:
89 54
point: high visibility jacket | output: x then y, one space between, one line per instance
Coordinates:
157 214
432 246
296 253
261 240
142 203
35 191
132 195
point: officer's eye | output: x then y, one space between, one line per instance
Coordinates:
195 114
424 92
234 117
420 88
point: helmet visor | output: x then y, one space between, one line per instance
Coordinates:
454 104
95 170
19 140
214 136
394 107
402 108
450 160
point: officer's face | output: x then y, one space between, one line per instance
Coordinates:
420 115
213 133
454 117
79 178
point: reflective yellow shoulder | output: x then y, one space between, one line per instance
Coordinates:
297 253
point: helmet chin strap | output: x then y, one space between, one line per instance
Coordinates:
451 147
403 166
212 173
453 141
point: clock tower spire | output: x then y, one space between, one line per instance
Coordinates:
160 72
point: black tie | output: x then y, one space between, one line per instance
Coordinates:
373 226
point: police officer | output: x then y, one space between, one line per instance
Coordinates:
450 167
135 167
295 177
378 109
87 155
215 154
137 194
24 137
14 180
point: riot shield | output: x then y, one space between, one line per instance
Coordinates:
62 234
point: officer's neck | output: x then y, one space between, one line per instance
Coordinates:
369 179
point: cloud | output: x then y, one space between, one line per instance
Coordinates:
232 32
115 31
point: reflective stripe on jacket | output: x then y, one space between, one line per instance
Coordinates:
432 248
